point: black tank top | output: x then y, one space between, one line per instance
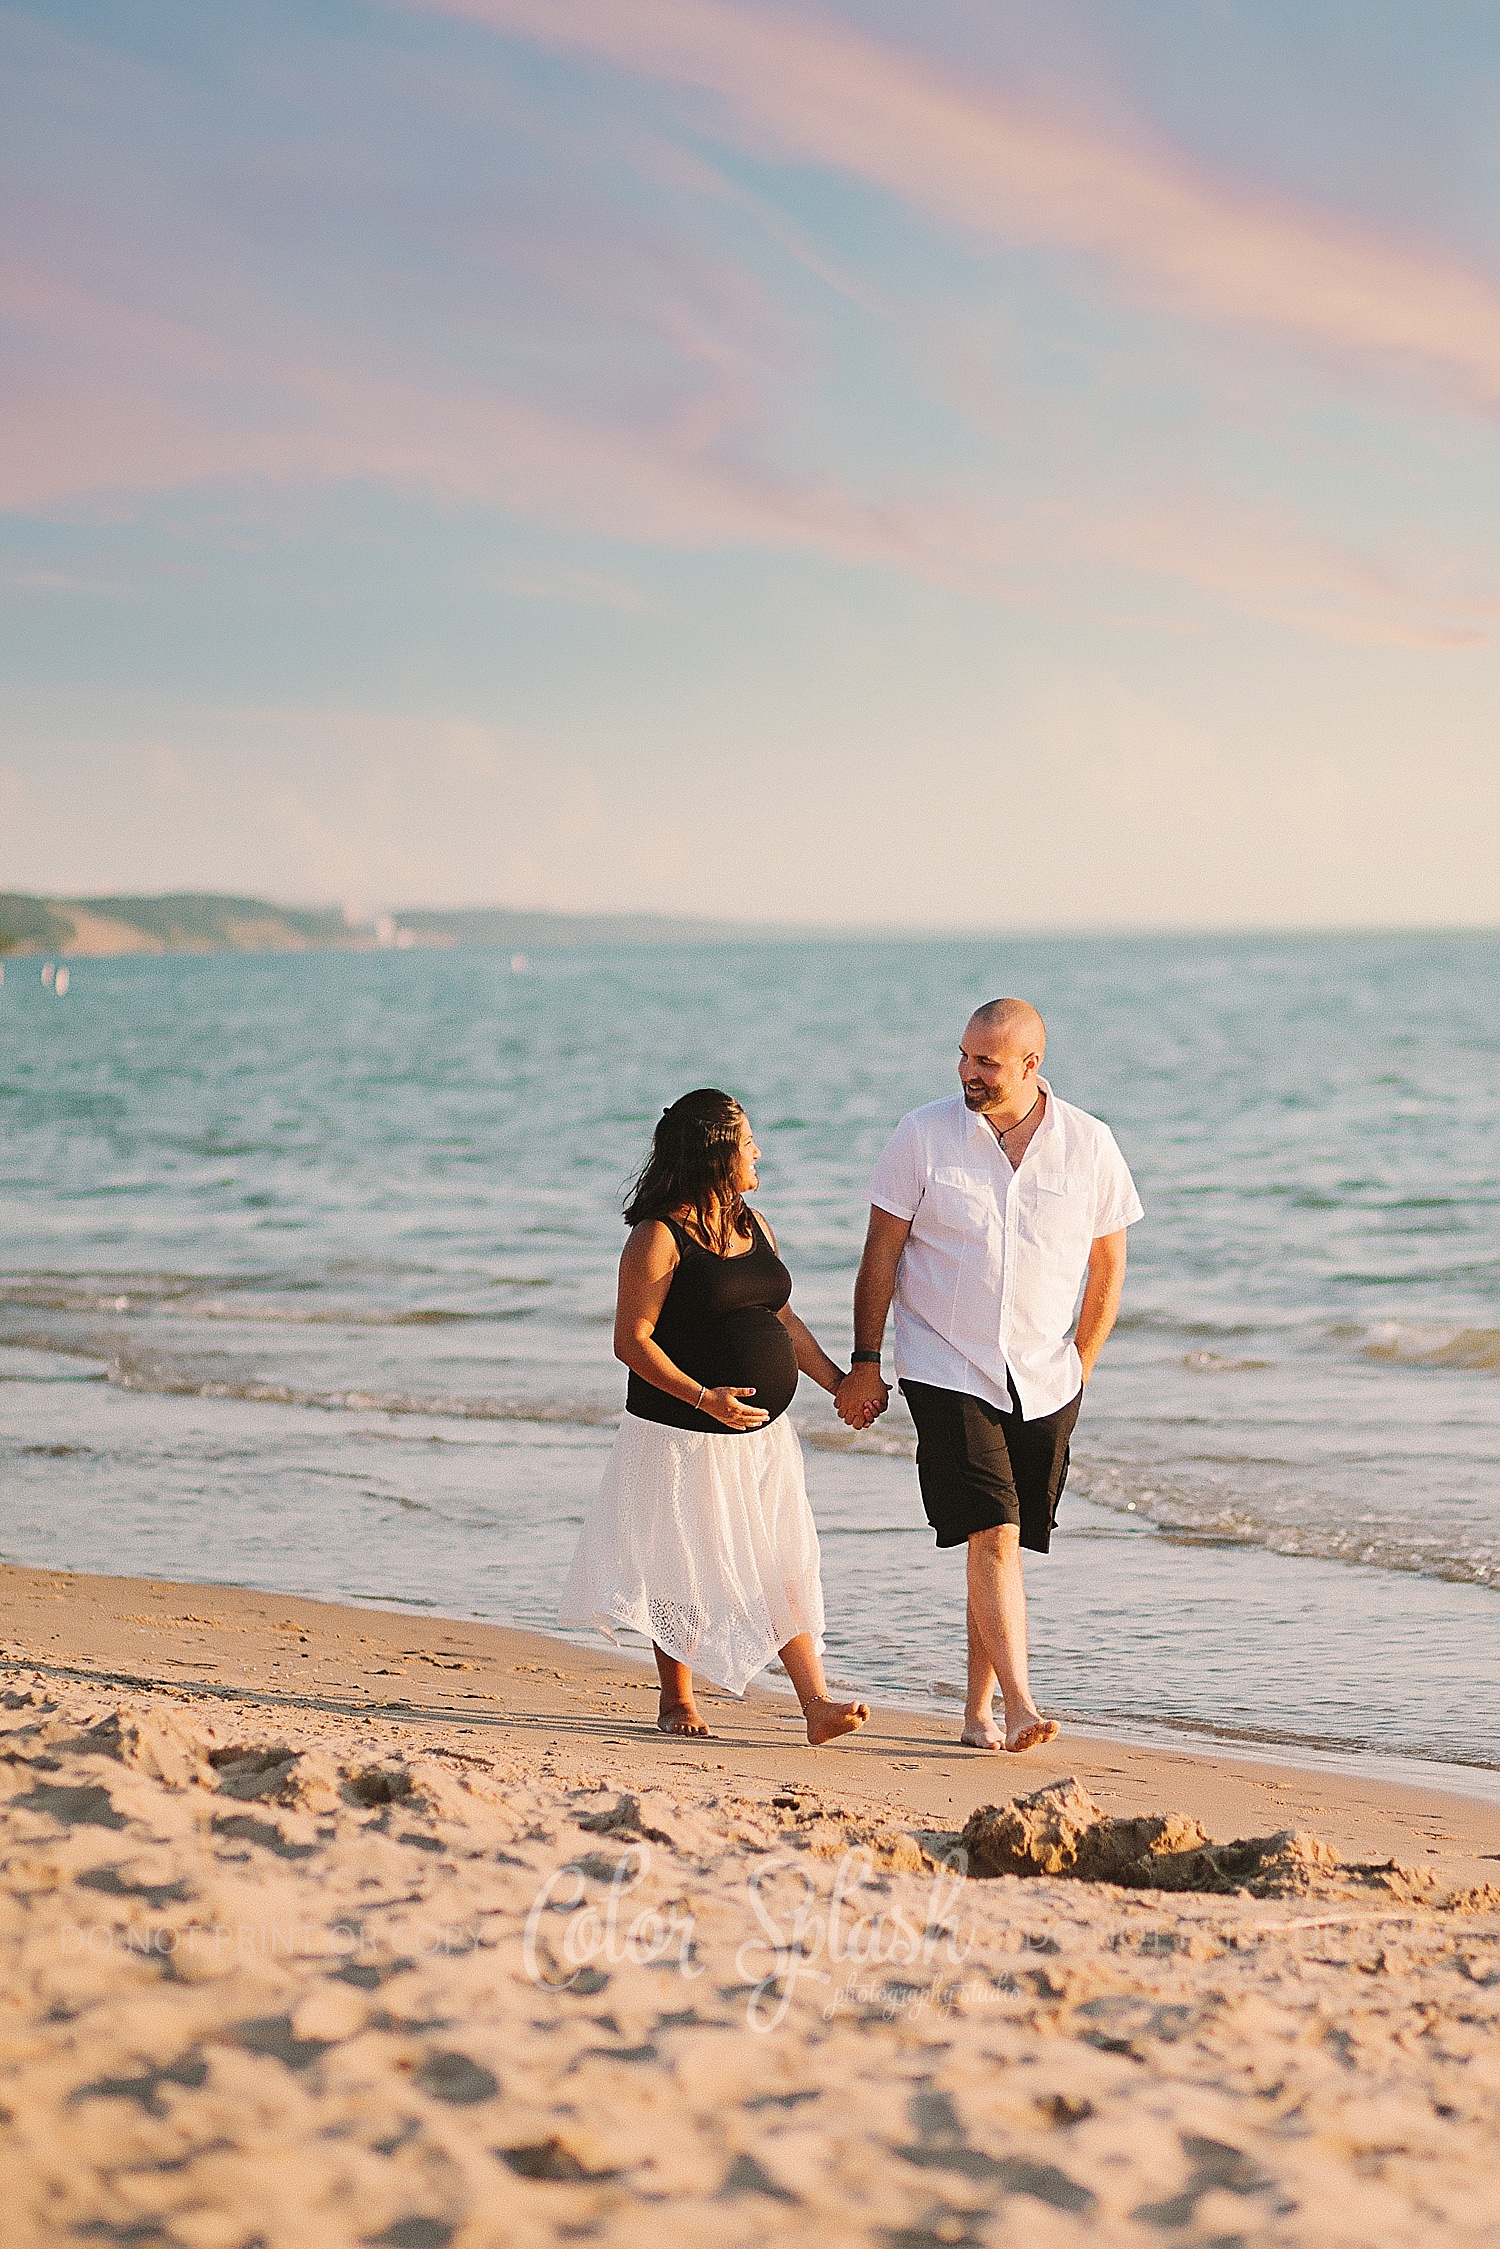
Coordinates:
719 1325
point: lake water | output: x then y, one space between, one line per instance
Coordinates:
308 1272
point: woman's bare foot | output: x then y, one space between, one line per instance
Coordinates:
1031 1733
826 1720
679 1718
678 1713
981 1733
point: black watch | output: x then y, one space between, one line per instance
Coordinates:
864 1358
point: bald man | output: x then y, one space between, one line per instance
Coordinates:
989 1211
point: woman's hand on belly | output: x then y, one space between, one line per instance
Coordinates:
727 1404
750 1354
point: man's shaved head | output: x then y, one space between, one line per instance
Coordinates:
1010 1027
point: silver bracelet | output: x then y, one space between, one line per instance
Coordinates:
702 1394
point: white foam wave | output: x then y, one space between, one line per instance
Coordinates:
185 1297
1386 1543
1469 1350
164 1379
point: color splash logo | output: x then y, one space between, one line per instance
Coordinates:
595 1926
841 1928
852 1939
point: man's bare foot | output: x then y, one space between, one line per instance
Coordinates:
827 1720
981 1733
1031 1733
679 1718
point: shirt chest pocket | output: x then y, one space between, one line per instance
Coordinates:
955 1203
1058 1212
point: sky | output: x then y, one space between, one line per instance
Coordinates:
978 466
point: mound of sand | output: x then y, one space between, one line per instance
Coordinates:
1060 1831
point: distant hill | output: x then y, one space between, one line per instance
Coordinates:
187 922
32 925
199 922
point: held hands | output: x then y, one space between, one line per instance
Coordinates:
724 1405
862 1396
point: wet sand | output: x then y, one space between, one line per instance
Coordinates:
325 1926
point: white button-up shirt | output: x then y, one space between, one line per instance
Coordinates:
989 1278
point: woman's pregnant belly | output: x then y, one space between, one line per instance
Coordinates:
752 1347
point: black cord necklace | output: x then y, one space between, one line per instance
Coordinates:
1031 1112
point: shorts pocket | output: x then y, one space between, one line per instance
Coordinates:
1059 1478
1059 1485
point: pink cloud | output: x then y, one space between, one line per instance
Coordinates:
811 89
1265 561
107 401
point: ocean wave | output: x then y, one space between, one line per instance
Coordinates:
1475 1276
1470 1350
1473 1350
191 1297
92 1292
897 1443
164 1380
1203 1518
1158 1322
167 1378
173 1382
158 1375
153 1375
300 1316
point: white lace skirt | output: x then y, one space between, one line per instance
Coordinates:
705 1544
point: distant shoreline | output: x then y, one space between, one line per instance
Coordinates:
207 922
212 922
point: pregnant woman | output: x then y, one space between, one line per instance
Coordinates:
701 1535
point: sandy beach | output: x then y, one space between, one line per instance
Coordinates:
328 1927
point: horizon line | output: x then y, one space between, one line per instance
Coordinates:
361 918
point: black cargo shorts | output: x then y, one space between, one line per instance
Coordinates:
980 1465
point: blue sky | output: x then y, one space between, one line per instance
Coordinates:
978 466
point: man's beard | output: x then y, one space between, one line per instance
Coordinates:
981 1098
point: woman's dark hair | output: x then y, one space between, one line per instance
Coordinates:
694 1159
